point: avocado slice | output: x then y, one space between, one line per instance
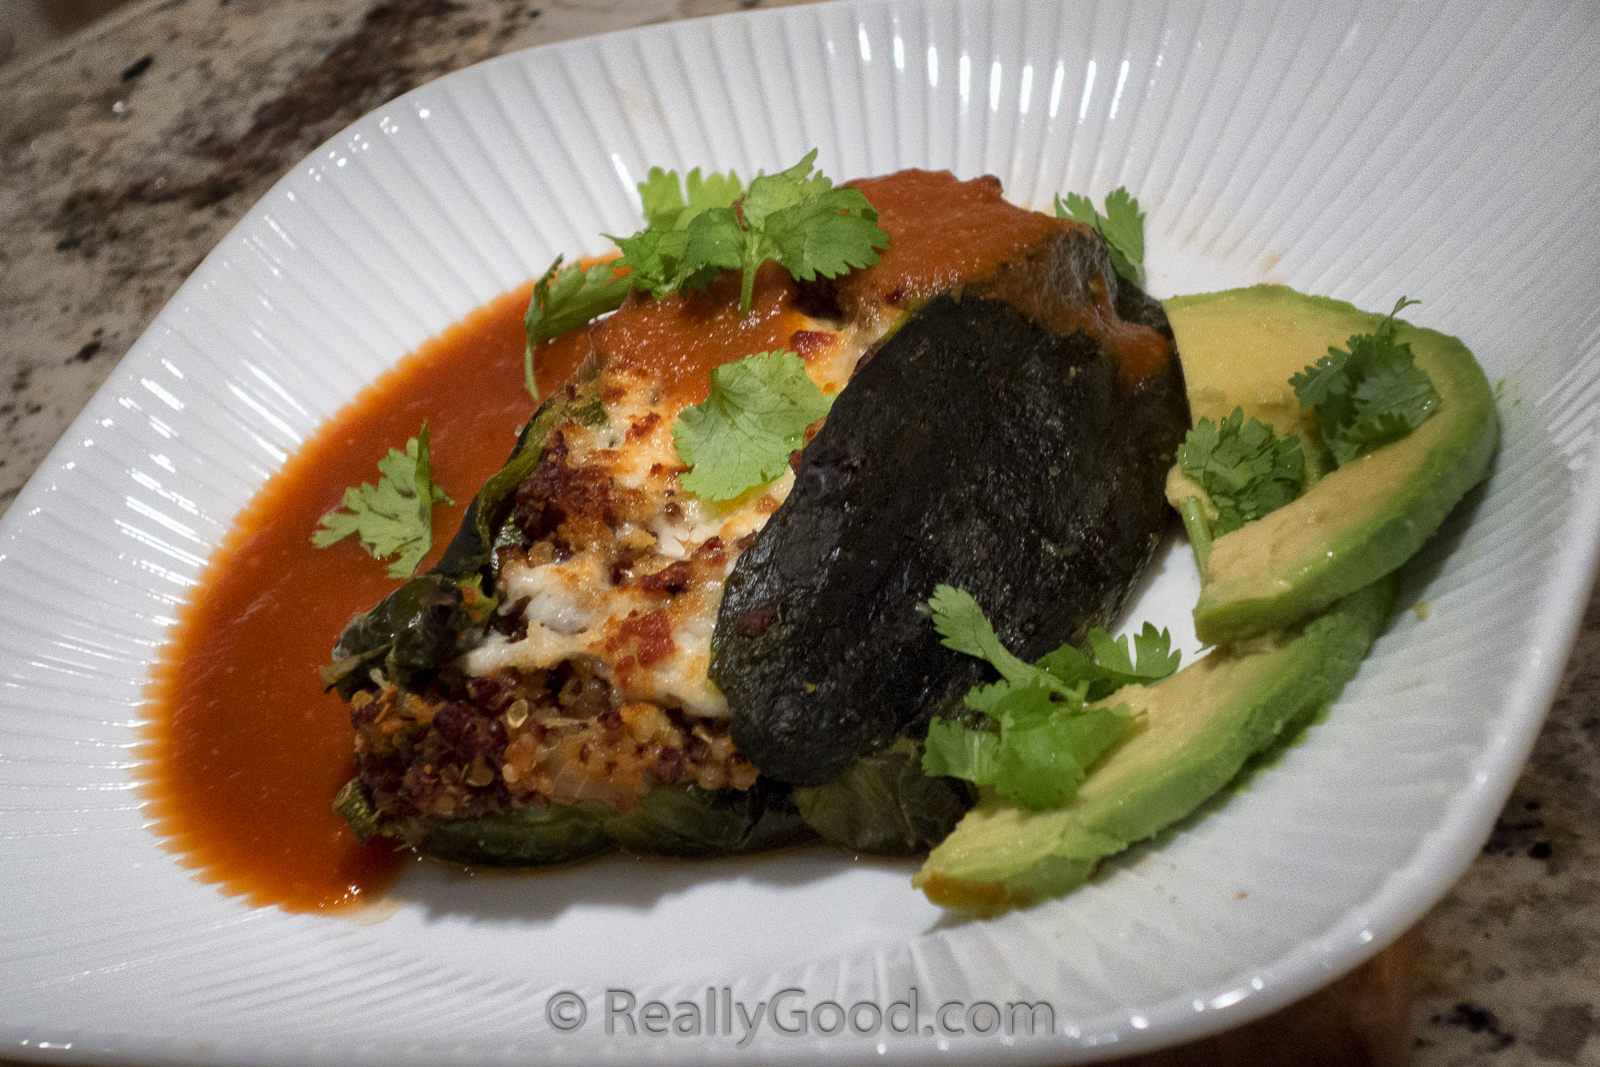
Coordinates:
1354 524
1200 726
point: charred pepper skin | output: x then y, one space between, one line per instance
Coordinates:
821 645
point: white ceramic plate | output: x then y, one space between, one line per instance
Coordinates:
1446 151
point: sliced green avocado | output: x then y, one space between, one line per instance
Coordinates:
1200 726
1357 523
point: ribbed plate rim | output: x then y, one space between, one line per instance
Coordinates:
1401 899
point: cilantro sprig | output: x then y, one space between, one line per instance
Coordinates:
1246 470
394 517
795 217
1038 737
755 416
567 297
1371 394
699 226
1121 227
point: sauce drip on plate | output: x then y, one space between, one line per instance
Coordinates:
247 751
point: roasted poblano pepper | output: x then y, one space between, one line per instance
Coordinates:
1012 440
885 806
998 439
672 820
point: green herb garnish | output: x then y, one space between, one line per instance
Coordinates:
1367 396
755 416
1112 665
1039 738
394 517
1246 470
795 217
1121 227
669 205
565 298
700 226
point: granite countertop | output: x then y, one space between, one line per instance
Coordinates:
128 151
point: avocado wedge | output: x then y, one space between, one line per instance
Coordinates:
1356 523
1200 726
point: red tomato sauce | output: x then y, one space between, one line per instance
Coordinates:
942 232
246 751
945 233
677 340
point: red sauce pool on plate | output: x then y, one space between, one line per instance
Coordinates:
246 751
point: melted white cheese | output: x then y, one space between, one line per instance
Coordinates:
573 607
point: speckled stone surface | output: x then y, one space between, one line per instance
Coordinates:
1511 965
127 152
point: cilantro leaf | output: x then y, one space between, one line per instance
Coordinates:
756 414
666 205
1045 738
1152 659
652 257
1121 227
1067 672
795 217
1072 667
1042 765
1371 394
1113 655
1078 209
394 517
661 197
964 628
831 234
664 260
670 254
1040 754
953 751
565 298
712 244
1245 468
717 190
772 193
1111 667
1323 380
1390 402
